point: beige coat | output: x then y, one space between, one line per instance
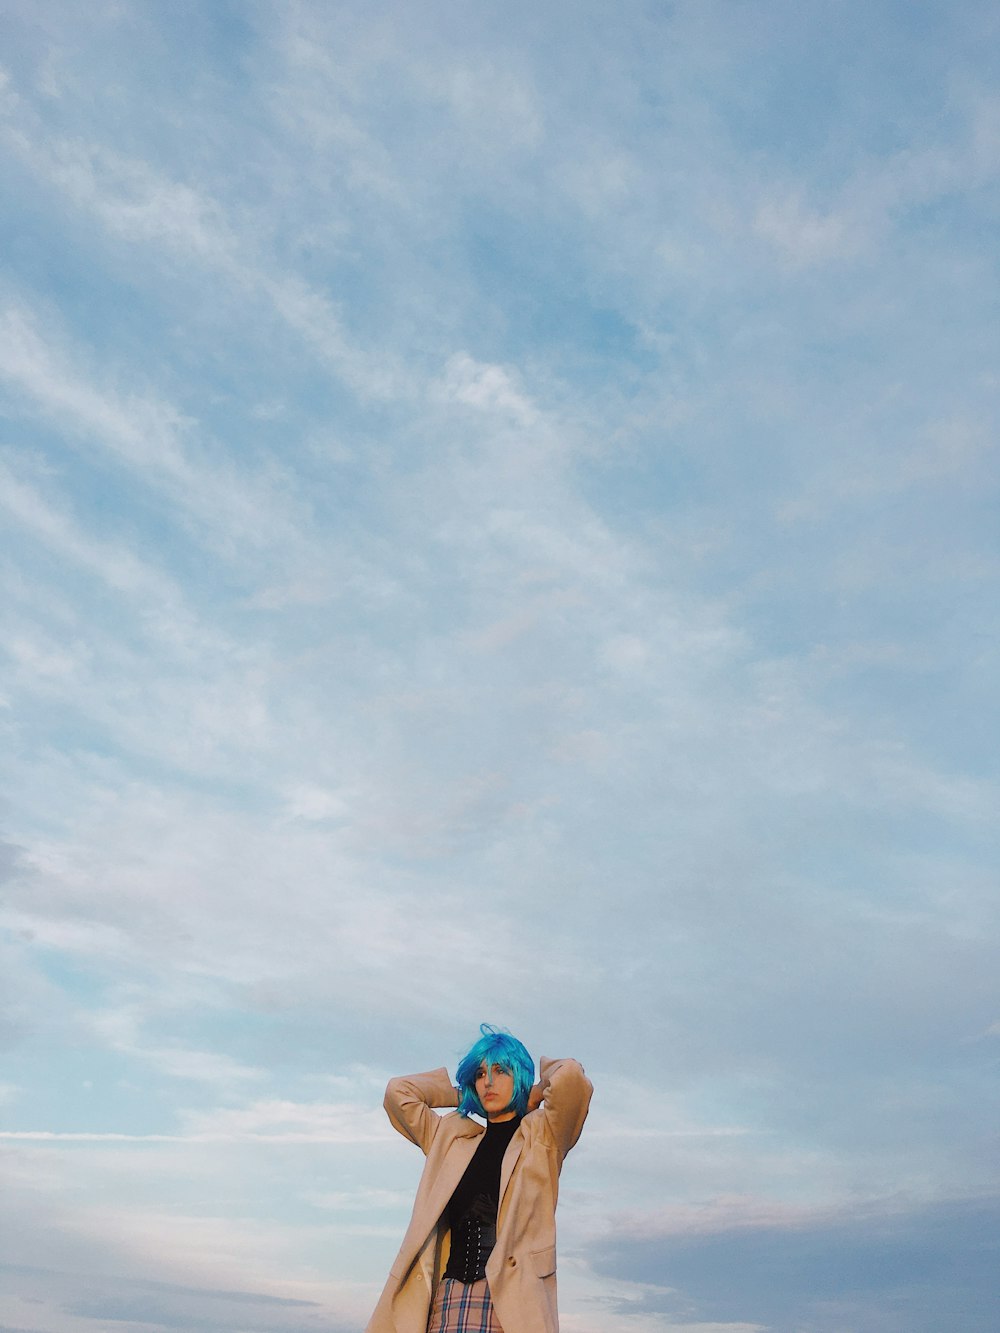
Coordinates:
521 1271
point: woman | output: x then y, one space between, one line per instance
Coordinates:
479 1255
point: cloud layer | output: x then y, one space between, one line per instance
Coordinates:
499 522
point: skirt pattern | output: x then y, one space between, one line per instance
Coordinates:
461 1307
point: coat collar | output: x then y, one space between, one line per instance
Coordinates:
464 1126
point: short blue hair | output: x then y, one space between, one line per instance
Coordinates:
495 1049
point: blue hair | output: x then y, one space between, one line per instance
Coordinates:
500 1050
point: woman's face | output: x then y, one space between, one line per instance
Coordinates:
495 1090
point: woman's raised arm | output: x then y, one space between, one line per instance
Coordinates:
563 1092
409 1103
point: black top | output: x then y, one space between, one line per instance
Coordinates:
471 1213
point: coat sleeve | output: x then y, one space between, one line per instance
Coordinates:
409 1101
566 1093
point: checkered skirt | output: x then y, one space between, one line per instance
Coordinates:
461 1307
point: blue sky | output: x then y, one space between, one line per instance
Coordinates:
498 521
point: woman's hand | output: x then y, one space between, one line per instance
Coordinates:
535 1097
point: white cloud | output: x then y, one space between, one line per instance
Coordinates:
486 387
805 236
317 804
276 1121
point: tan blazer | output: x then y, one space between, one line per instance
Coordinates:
521 1271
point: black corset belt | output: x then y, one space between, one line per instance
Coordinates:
472 1244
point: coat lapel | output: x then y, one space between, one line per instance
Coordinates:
457 1157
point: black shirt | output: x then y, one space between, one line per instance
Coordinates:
471 1213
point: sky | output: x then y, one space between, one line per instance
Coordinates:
498 522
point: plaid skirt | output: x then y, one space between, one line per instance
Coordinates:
461 1307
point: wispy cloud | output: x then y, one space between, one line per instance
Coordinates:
146 437
498 525
180 221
